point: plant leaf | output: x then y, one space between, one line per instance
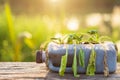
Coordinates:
91 32
81 58
74 65
63 63
10 22
91 66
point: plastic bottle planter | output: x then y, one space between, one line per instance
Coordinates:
54 52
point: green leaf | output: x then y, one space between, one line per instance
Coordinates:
93 32
10 22
63 63
81 58
74 65
56 40
91 66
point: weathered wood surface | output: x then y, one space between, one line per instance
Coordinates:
34 71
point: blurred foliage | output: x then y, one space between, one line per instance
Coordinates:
11 44
22 34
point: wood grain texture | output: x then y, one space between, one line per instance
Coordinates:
34 71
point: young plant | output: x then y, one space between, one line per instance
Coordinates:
91 37
95 38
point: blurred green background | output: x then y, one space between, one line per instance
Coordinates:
26 24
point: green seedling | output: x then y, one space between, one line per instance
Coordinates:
95 38
91 37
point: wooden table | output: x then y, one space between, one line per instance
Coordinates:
34 71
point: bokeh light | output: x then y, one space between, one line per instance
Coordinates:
38 20
93 19
73 24
116 17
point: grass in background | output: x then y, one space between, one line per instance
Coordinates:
21 35
11 49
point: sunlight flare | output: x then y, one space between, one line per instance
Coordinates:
73 24
93 19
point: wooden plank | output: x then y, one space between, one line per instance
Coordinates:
32 70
